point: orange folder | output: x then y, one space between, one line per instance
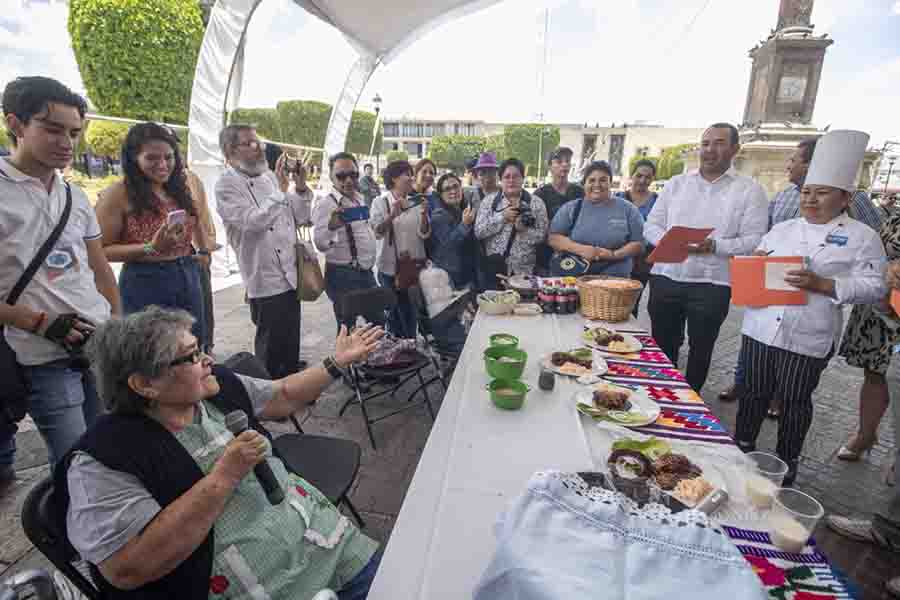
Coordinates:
895 301
673 247
759 281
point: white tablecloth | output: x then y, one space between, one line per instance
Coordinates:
479 458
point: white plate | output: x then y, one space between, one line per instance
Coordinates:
633 342
599 366
711 473
642 405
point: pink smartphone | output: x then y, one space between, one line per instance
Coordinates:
176 217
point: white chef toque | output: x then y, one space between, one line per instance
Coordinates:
837 158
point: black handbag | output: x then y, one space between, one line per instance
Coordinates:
14 392
567 264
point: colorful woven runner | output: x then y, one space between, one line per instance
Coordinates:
788 576
684 415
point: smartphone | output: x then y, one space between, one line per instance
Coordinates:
291 165
356 213
415 199
176 217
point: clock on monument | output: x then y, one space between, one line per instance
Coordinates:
791 88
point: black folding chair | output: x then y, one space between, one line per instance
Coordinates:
373 304
437 350
328 463
48 534
39 520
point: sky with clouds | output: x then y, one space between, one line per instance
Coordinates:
679 63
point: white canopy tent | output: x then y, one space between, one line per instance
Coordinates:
378 32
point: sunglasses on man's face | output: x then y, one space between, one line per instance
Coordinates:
342 176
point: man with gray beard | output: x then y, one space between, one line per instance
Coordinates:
260 217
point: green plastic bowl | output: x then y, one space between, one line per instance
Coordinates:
504 340
512 396
505 369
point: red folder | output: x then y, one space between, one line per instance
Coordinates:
749 281
673 247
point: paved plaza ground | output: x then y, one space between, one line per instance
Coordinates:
386 473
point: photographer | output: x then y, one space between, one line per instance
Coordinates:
400 222
511 224
73 288
341 232
261 217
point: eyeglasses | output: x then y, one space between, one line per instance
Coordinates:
455 187
354 175
193 358
253 144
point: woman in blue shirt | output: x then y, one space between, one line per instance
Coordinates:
453 244
603 229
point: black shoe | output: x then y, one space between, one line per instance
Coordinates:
791 474
746 447
731 394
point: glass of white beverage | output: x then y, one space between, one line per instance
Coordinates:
793 518
764 478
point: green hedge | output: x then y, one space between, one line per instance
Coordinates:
105 138
137 57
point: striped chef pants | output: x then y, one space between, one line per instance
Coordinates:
777 373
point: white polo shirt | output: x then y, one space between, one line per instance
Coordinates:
65 282
843 249
734 206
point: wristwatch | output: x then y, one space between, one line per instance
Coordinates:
203 252
149 250
332 368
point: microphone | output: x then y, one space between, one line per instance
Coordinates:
236 422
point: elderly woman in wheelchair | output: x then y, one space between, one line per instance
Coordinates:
160 497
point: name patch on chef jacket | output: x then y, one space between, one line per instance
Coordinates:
838 239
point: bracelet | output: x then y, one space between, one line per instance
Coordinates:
149 250
331 366
203 252
40 321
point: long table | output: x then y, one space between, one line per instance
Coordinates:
478 458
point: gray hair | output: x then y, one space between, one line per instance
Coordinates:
142 343
230 136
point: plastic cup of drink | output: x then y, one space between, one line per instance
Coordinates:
764 478
793 518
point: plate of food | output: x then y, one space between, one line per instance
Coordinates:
575 363
618 404
611 341
648 469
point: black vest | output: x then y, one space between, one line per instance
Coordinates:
142 447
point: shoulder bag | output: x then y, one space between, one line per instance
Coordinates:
14 392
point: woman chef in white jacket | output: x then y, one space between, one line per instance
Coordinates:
789 346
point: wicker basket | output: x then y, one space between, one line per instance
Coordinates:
601 302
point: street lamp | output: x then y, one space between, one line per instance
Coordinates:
377 102
887 180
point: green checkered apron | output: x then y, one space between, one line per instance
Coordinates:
289 551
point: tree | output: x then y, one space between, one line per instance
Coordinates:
453 151
137 57
265 120
497 145
105 138
397 155
304 122
359 136
523 142
671 162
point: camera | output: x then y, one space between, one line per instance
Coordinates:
291 165
526 215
